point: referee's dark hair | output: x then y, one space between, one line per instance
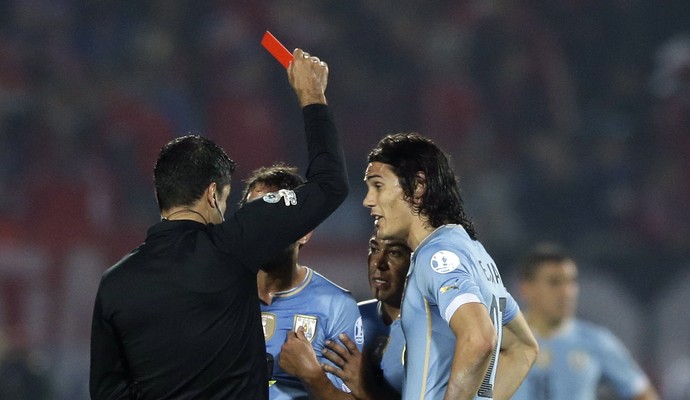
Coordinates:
185 168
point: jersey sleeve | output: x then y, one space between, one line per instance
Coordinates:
618 366
261 228
511 309
444 279
108 378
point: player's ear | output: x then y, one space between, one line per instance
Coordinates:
304 239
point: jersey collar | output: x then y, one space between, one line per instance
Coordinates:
295 290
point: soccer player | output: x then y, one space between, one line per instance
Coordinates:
295 296
465 335
376 373
179 317
389 261
574 355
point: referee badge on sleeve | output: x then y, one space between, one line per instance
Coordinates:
288 196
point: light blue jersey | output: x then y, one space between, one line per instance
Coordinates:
383 342
573 362
325 310
448 269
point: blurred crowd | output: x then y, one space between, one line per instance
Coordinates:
567 120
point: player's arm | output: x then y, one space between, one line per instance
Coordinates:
357 371
107 375
297 358
518 352
475 339
620 368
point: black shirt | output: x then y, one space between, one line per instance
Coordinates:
179 318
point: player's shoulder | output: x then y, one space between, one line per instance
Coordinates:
445 250
590 331
450 238
599 338
326 285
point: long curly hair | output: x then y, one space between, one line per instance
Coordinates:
411 153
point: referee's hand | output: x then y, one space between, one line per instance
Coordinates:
308 76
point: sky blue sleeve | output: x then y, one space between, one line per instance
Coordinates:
511 310
443 276
345 319
618 366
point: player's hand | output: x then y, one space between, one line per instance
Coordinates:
308 77
297 356
349 363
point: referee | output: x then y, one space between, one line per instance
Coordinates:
178 318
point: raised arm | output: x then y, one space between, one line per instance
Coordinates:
309 78
518 352
269 225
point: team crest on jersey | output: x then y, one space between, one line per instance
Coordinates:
288 196
359 331
268 323
444 262
308 323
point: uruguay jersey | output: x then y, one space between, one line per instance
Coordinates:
384 343
448 269
324 310
572 363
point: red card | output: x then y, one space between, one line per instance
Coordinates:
276 49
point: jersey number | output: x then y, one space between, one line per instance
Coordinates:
496 313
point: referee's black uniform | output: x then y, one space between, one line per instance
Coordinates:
179 317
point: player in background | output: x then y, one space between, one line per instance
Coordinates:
575 356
